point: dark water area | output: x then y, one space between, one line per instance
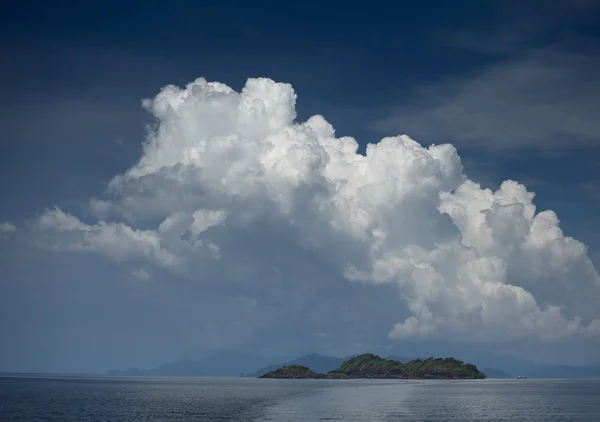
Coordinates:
247 399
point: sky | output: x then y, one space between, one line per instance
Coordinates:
184 178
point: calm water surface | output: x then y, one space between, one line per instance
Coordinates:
246 399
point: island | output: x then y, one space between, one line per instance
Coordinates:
294 372
373 366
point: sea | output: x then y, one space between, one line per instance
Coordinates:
77 398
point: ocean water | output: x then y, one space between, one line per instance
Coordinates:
246 399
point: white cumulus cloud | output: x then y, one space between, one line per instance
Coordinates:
118 241
228 181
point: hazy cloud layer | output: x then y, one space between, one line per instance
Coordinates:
233 193
534 87
541 99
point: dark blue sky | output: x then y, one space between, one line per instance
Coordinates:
514 87
354 64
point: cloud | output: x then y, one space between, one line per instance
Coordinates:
233 193
6 227
545 98
64 232
140 274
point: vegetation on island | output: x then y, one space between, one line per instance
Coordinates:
293 371
373 366
315 362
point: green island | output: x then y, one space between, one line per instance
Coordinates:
373 366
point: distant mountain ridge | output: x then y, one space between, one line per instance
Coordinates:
221 364
563 371
315 362
495 373
233 364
